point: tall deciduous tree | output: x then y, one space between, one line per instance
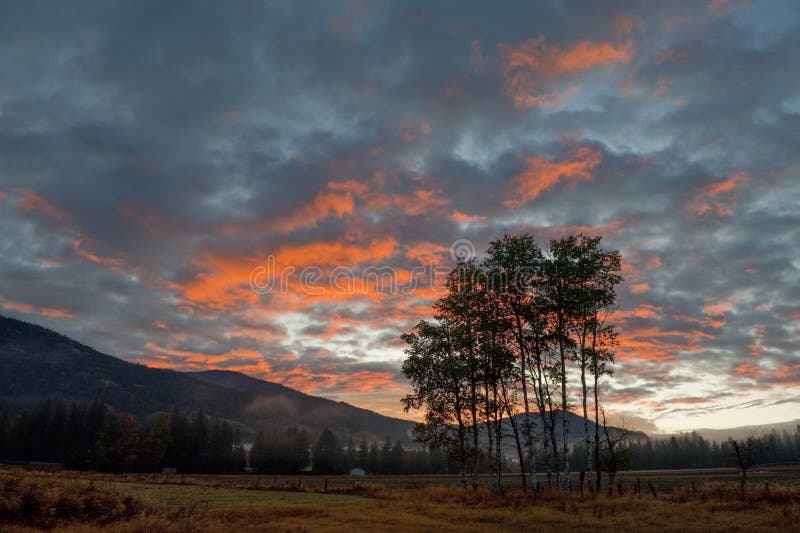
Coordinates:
506 339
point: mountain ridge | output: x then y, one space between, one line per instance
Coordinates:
37 363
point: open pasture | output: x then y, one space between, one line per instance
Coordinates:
78 501
662 480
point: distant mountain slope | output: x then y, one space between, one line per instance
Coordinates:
575 424
739 432
291 406
36 363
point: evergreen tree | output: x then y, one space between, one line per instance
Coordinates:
326 456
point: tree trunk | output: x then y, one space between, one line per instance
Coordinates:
530 444
489 430
596 373
584 400
515 429
564 420
475 432
497 486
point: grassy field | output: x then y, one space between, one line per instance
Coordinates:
662 480
69 501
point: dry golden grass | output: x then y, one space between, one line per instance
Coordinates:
73 502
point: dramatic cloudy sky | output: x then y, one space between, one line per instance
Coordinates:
153 154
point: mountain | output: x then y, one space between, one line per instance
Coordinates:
575 422
740 432
36 364
289 406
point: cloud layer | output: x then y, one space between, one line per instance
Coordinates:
152 156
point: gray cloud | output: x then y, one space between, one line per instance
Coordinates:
146 150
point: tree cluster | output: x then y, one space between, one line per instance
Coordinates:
512 341
691 450
281 450
89 435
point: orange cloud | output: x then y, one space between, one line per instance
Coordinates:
326 204
458 216
533 65
426 253
643 311
714 321
755 350
788 373
28 309
640 288
550 60
336 378
417 202
718 198
80 251
54 312
522 98
337 253
653 262
36 203
718 309
18 306
238 360
224 280
542 174
654 344
48 262
747 370
356 187
341 199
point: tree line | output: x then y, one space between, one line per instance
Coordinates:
517 340
89 435
692 450
86 435
287 450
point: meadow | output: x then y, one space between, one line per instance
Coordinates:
688 500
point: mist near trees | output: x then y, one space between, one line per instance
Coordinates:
88 435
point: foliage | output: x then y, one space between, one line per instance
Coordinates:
89 435
506 339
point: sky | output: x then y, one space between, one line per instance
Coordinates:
161 162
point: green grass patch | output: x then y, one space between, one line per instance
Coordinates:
204 497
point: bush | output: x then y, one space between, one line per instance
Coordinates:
46 503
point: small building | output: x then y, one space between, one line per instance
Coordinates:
359 472
169 470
